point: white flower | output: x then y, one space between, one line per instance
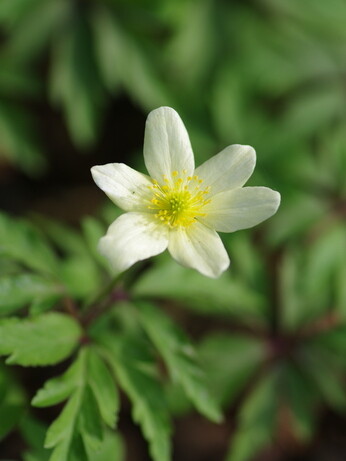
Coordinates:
180 207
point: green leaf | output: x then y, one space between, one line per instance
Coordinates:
58 389
93 231
222 296
296 217
122 60
17 81
324 260
89 387
192 46
104 390
13 10
80 276
323 363
256 421
62 435
19 290
301 398
180 358
33 432
43 340
17 141
25 244
75 83
313 108
89 421
136 371
77 449
33 32
294 308
229 372
12 402
111 449
61 431
110 47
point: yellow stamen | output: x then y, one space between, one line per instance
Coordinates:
180 201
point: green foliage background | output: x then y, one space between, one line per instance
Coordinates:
268 337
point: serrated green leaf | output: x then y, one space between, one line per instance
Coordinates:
12 402
301 398
294 309
33 431
327 379
298 215
122 60
256 421
18 142
13 10
22 242
32 33
313 108
61 431
57 390
79 427
80 276
93 230
110 47
180 357
222 296
77 450
41 305
135 369
17 80
104 389
112 449
229 372
67 239
19 290
89 421
75 82
43 340
324 258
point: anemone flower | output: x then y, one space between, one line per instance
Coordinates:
178 207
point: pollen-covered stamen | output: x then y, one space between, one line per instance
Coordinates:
179 201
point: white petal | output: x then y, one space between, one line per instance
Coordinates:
127 188
200 248
131 238
241 208
167 145
229 169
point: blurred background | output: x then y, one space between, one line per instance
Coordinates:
77 80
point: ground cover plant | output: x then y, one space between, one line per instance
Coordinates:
252 360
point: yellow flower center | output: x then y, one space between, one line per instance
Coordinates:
178 202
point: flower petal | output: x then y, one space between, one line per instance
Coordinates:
131 238
240 208
167 145
126 187
229 169
199 247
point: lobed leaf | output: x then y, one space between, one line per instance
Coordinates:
58 389
180 358
78 431
135 369
231 360
43 340
22 242
104 390
21 289
256 421
222 296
